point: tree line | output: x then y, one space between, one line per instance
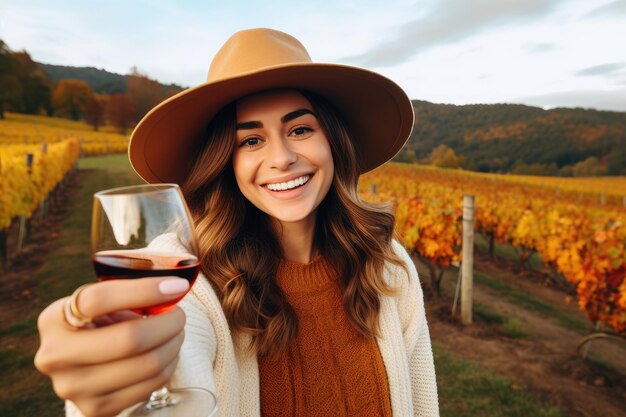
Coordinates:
515 138
26 88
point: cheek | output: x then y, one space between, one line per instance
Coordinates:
244 175
242 168
326 164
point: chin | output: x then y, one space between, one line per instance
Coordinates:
292 216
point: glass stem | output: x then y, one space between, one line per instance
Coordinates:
161 398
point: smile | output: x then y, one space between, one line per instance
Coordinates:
289 185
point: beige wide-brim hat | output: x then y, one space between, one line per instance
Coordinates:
377 111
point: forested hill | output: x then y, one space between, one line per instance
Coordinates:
479 137
519 138
101 81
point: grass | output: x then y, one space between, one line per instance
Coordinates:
508 326
117 163
527 301
25 392
487 314
468 389
514 329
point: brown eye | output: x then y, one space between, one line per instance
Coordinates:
249 143
300 131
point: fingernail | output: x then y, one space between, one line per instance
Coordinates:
173 286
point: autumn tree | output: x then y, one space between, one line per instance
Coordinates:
36 85
143 92
95 110
445 157
590 167
406 155
120 112
70 98
10 87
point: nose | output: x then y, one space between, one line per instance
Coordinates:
280 155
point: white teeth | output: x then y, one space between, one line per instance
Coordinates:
282 186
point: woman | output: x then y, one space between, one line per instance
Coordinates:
306 305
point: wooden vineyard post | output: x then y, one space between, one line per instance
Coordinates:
42 204
467 265
22 233
4 250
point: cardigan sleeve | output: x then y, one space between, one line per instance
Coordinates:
417 339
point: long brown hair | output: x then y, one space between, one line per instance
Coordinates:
240 254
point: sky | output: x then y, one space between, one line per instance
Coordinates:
546 53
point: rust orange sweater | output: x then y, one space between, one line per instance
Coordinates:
329 369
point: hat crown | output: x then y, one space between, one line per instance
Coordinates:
254 50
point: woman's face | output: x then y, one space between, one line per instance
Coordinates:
282 160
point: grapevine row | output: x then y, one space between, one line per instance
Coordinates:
25 181
583 241
31 130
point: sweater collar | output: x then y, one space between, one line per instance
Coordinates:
297 277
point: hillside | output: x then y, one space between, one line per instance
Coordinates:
499 137
486 137
101 81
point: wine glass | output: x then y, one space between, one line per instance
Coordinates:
146 231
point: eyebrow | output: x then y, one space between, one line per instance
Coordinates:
286 118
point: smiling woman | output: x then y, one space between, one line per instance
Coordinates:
306 304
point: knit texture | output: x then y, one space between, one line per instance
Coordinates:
330 369
211 358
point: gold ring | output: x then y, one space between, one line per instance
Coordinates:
71 313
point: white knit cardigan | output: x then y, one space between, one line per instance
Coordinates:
212 358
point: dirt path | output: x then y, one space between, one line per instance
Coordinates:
545 362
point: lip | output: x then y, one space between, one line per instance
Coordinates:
287 178
289 194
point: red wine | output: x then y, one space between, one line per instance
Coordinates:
132 264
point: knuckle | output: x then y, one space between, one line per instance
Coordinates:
180 340
154 363
130 340
179 317
51 312
47 359
62 389
41 361
168 371
163 377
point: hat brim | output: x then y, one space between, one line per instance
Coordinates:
376 110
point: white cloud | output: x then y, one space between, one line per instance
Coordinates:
451 21
613 99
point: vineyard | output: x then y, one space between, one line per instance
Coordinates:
35 155
24 129
564 221
29 173
576 227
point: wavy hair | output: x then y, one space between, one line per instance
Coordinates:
240 254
